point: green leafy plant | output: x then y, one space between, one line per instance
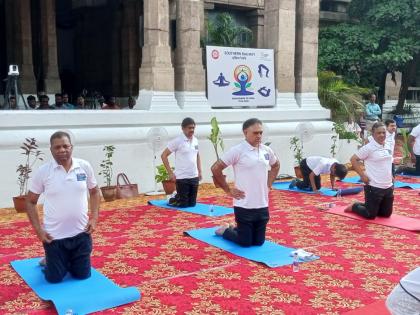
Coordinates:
343 99
223 30
333 148
297 147
106 164
216 137
345 134
162 174
405 148
32 154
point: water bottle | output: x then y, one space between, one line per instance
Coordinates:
295 262
211 210
69 312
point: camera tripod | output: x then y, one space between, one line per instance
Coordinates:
13 89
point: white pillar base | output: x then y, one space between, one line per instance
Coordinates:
192 101
286 101
156 101
308 100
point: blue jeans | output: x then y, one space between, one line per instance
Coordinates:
250 229
70 254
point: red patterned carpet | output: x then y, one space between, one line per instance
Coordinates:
144 246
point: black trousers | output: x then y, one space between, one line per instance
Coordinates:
378 202
186 191
251 226
70 254
412 170
306 183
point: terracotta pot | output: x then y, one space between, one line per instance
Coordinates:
298 172
168 186
216 184
20 203
109 193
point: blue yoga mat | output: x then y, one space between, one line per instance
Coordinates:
270 254
397 184
409 175
200 208
285 186
81 296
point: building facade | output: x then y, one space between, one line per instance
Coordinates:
152 49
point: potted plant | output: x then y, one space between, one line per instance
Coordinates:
297 147
108 192
216 140
162 176
345 143
32 154
405 149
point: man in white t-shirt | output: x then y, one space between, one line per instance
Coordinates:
414 147
65 183
405 297
391 128
187 165
251 162
377 176
313 167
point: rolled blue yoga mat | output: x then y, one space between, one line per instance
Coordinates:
200 208
94 294
271 254
325 191
397 183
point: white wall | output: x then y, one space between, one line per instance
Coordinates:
127 131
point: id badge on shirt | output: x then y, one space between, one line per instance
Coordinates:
81 177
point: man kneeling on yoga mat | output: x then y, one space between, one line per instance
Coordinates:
251 162
378 179
187 165
312 168
65 183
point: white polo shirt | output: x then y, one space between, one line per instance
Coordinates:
250 167
389 141
320 165
411 282
378 164
66 196
186 151
416 134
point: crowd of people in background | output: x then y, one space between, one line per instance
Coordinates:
61 101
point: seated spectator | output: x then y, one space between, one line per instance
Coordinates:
131 102
44 102
58 101
12 103
405 297
80 102
31 101
66 104
110 103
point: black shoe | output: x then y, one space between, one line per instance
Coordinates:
173 202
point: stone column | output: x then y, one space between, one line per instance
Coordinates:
52 83
156 74
256 18
306 62
19 42
279 34
189 72
129 43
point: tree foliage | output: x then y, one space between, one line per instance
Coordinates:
225 31
383 37
343 99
